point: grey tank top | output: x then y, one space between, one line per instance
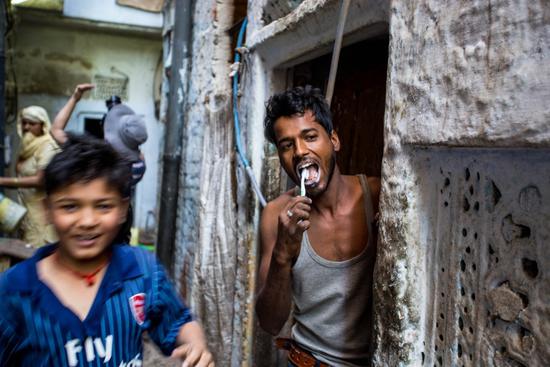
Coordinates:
333 300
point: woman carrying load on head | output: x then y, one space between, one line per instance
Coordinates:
37 148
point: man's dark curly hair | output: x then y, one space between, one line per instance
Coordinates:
84 158
295 102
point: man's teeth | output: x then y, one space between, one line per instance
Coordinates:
311 172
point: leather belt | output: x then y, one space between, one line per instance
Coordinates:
297 355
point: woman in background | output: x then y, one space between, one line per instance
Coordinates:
36 149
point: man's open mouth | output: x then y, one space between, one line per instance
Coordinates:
312 172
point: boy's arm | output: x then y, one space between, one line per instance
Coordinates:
10 337
172 326
192 348
58 127
9 342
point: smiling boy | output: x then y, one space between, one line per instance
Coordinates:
318 250
86 301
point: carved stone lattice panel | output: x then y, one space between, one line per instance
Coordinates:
486 227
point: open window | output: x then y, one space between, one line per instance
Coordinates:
94 126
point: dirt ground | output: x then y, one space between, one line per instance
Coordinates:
152 357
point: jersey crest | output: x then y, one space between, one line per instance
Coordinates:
137 305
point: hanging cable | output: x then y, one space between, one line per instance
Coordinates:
240 150
336 52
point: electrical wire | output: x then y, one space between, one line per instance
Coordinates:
240 150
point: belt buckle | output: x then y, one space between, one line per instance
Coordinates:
298 355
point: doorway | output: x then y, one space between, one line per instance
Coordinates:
358 103
94 126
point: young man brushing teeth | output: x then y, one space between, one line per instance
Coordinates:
318 243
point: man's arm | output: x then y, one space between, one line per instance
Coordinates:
192 348
281 236
58 127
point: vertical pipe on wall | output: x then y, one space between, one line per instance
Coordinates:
181 42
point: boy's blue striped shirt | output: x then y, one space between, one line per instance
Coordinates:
37 330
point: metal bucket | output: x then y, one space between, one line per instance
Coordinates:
11 214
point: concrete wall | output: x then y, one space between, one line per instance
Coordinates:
465 186
48 68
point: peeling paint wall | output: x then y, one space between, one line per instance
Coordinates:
48 67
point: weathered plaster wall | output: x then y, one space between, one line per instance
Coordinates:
212 244
473 75
309 30
48 68
476 73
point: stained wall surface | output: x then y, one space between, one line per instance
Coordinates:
212 228
465 201
484 220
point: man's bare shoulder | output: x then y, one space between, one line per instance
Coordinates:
374 187
375 184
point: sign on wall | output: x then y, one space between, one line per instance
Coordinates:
106 86
147 5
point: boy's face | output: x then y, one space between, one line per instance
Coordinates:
86 217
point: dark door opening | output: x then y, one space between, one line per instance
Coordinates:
94 127
358 102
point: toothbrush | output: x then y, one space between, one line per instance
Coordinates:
304 175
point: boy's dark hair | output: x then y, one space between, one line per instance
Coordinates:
84 158
295 102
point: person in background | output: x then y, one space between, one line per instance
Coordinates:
112 101
87 300
36 149
123 129
126 131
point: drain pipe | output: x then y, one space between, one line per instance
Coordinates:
181 44
336 52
